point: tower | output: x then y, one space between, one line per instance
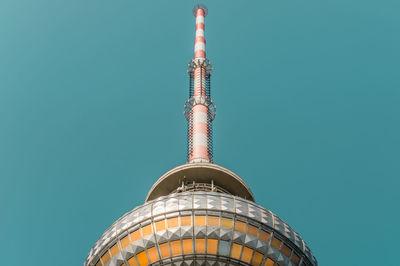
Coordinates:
200 213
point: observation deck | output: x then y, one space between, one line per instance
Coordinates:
212 177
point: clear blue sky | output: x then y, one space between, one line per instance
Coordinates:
91 114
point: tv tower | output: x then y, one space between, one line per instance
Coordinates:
200 213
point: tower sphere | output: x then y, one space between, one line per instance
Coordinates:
200 222
200 213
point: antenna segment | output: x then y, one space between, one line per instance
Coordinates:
199 109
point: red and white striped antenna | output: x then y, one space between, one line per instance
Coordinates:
199 109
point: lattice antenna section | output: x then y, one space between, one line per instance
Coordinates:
199 108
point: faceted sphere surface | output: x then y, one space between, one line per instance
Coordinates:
200 228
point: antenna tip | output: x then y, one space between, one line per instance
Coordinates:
200 6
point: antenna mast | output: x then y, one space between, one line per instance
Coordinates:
199 109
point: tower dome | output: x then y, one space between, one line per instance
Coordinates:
200 224
200 213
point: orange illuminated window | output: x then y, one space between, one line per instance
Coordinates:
153 255
252 230
147 230
176 247
172 222
236 251
105 258
212 246
269 262
132 262
247 254
186 220
124 242
295 259
187 246
164 250
114 250
200 220
227 223
286 251
160 225
240 226
142 258
264 236
213 220
135 235
123 264
276 243
200 246
257 259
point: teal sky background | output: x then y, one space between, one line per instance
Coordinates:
91 114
